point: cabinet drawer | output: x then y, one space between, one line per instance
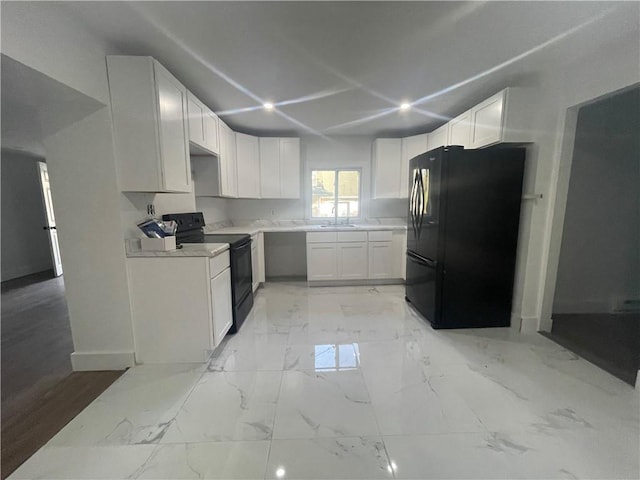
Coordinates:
380 236
218 263
321 237
352 236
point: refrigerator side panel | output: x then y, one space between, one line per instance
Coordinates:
483 194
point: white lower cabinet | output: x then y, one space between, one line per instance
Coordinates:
322 263
352 260
380 256
181 307
355 255
257 260
221 300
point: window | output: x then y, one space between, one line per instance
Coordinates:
331 188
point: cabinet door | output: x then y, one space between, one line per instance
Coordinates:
380 255
386 154
261 270
248 166
486 121
222 312
255 275
174 136
352 260
196 125
439 137
210 127
232 165
411 147
321 261
460 130
289 168
270 167
227 162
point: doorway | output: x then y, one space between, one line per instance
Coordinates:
596 307
50 219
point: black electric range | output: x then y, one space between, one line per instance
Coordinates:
191 230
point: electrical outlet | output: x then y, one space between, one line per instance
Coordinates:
273 212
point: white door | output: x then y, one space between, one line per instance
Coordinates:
50 219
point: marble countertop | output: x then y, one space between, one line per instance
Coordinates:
187 250
253 229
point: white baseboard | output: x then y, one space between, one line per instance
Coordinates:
528 324
95 361
516 322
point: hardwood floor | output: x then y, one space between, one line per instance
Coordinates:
40 393
611 341
39 420
36 339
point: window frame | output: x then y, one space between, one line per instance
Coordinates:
336 193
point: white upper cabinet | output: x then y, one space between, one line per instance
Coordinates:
502 118
411 147
460 130
387 163
203 127
439 137
196 125
270 167
151 135
487 121
248 166
210 121
289 168
228 175
279 167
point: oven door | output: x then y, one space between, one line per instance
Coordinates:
241 279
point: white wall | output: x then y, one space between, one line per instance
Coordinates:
600 255
44 36
81 164
610 68
25 246
83 184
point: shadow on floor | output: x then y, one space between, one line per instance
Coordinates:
610 341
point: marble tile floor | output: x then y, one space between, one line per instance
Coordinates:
348 383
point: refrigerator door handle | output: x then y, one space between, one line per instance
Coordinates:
421 203
413 202
423 261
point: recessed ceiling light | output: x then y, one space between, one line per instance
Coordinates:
405 106
268 106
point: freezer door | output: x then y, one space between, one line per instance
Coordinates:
422 286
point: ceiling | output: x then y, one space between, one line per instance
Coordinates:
344 67
339 68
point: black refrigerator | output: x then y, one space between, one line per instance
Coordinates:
462 235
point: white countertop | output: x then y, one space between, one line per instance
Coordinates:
253 229
187 250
